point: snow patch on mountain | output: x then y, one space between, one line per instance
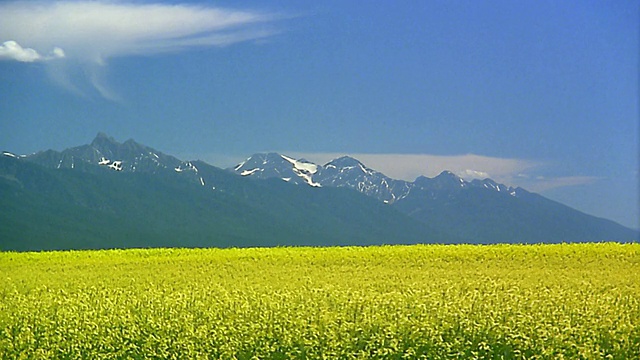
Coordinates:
239 166
302 166
116 165
365 170
249 172
186 166
303 169
307 178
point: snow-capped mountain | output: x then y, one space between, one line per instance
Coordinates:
476 210
351 173
105 151
80 203
110 154
272 165
341 172
112 194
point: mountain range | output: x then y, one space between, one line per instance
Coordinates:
109 194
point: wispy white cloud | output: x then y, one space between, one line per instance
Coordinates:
95 31
11 50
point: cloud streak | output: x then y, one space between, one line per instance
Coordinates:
92 32
542 184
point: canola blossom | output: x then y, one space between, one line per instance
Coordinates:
391 302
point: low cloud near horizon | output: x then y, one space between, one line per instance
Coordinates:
92 32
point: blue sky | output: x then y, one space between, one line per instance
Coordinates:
538 94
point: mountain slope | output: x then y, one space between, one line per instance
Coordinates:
88 205
108 194
482 215
477 211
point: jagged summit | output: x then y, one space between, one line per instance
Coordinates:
440 182
446 180
106 152
102 138
110 146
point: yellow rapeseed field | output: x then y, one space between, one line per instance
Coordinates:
393 302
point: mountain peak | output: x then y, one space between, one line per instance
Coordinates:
448 176
102 135
102 139
344 161
105 151
274 165
445 180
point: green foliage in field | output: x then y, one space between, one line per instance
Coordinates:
503 301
